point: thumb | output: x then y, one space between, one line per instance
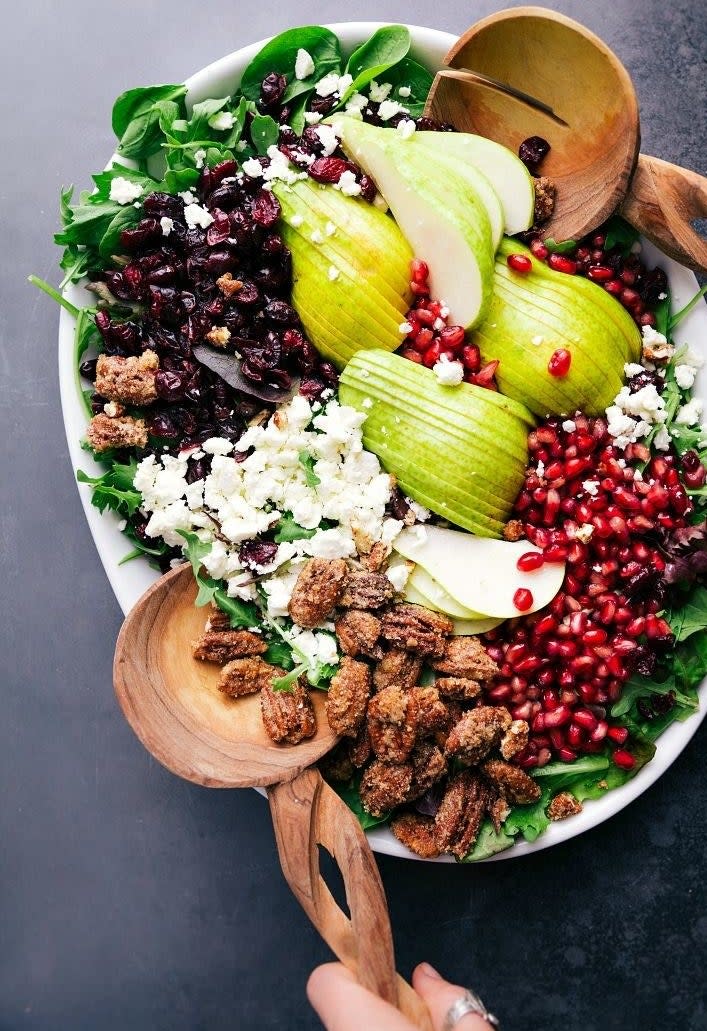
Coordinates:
439 995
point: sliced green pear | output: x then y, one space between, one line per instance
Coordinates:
443 600
480 574
505 171
459 451
443 218
350 270
536 313
462 627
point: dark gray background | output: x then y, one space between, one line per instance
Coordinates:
129 899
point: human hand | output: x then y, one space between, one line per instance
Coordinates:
343 1005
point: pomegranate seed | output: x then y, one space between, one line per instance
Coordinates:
614 286
619 735
519 263
557 717
530 560
539 250
545 626
523 599
585 719
452 337
600 273
623 759
575 736
419 270
566 755
422 340
425 316
560 361
561 263
431 355
471 357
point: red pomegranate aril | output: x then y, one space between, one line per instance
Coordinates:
600 273
539 250
471 357
623 759
523 599
614 286
575 736
545 625
422 340
452 337
557 738
561 263
555 553
519 263
567 755
530 560
419 270
599 732
585 719
431 355
619 735
559 364
412 355
425 316
557 717
419 289
500 694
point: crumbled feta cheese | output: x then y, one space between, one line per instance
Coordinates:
632 369
122 524
591 487
167 225
398 576
584 532
389 108
348 185
404 328
540 469
569 425
536 341
111 409
217 446
636 248
253 168
404 91
328 85
449 374
199 157
685 376
333 273
405 128
296 220
662 295
421 513
316 236
696 361
662 439
378 92
355 104
689 414
124 191
304 64
655 346
312 117
329 229
195 215
328 139
221 121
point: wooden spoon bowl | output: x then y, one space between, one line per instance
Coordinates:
571 70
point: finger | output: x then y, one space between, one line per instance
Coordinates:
343 1005
440 995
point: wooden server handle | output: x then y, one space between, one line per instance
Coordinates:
662 202
306 812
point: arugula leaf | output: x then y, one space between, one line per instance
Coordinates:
680 315
385 48
136 118
489 843
320 675
307 461
280 54
563 247
194 549
279 654
350 794
529 820
264 132
287 682
241 613
55 295
620 234
690 617
288 530
114 489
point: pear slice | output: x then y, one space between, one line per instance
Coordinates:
460 451
481 574
442 217
507 174
443 601
462 627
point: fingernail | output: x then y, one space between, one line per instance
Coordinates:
429 971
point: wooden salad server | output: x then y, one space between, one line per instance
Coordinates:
174 706
586 108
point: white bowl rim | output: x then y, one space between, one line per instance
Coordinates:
128 582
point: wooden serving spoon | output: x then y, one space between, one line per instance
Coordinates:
173 704
594 158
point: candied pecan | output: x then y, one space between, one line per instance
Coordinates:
246 676
358 632
105 433
223 645
392 724
515 739
360 748
366 590
417 833
498 810
218 336
228 285
461 812
431 712
563 805
417 629
131 380
545 193
459 688
428 766
476 733
384 786
513 530
288 716
336 765
318 588
397 668
465 657
375 560
218 619
513 783
348 696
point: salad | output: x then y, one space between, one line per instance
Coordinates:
419 456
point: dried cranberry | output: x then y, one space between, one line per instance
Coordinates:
169 385
532 151
266 208
311 387
88 369
220 228
145 232
328 170
281 312
272 88
257 553
323 105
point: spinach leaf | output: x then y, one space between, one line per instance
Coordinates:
307 461
136 118
55 295
114 489
85 335
280 54
662 315
529 820
264 132
288 530
410 75
386 47
287 682
125 218
620 234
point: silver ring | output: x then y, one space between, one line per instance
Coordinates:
469 1002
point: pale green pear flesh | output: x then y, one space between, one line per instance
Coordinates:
462 627
505 171
426 584
481 574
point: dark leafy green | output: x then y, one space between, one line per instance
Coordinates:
385 48
350 794
677 318
620 234
280 54
561 247
408 74
288 530
287 682
241 613
307 461
264 132
136 118
114 489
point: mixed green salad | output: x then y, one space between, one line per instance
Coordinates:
419 456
